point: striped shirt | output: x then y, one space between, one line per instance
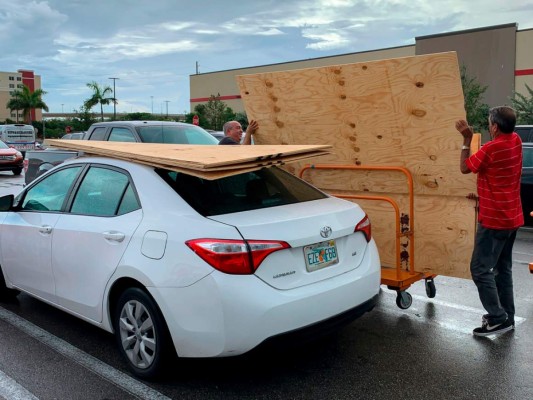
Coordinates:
498 164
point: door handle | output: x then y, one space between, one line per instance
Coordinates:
114 236
45 229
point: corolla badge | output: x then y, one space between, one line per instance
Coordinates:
325 231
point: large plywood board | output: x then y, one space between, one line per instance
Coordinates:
210 162
396 113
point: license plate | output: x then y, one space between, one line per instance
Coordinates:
320 255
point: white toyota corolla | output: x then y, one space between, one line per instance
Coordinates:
168 261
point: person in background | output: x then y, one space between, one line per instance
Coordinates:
233 133
498 165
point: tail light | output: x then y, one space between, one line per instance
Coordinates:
366 227
25 164
238 257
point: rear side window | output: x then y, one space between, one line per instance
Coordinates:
121 135
104 192
175 134
98 133
525 133
527 161
268 187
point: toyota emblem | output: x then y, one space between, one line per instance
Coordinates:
325 232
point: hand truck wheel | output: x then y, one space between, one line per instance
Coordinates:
431 290
404 299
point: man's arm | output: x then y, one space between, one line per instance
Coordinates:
466 131
252 128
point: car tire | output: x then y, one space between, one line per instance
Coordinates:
17 171
146 350
5 292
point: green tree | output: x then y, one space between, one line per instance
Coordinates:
213 114
524 107
83 120
99 96
476 110
27 101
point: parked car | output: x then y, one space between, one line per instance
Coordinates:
216 134
525 132
120 131
175 264
526 184
149 132
10 159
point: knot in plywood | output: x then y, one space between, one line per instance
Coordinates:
418 113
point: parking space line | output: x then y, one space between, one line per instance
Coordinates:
100 368
12 390
447 324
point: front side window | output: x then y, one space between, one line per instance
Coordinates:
104 192
121 135
268 187
50 193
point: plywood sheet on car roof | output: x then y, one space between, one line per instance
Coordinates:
206 161
394 113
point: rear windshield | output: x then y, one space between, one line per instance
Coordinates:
184 134
268 187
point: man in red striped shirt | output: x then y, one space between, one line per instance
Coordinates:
499 166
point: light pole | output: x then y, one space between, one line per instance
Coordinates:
62 112
114 100
167 101
152 97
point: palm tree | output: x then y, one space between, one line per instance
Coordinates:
27 101
99 97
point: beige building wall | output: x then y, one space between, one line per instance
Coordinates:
10 81
498 56
6 80
524 61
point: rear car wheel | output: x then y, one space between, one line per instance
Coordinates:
5 292
141 333
17 171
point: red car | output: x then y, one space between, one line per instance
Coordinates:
10 159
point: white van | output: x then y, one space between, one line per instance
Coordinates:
19 136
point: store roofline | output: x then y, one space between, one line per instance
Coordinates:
306 59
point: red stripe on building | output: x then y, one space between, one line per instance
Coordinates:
520 72
28 79
200 99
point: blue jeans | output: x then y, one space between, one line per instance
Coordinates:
491 268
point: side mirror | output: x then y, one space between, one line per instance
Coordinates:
6 202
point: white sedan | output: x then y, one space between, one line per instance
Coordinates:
174 264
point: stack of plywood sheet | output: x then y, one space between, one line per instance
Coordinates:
210 162
397 113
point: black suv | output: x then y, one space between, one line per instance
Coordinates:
149 132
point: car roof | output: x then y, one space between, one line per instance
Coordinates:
140 123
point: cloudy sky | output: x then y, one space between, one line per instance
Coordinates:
153 46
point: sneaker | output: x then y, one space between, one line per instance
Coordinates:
487 329
485 321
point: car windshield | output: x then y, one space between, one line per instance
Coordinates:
268 187
175 134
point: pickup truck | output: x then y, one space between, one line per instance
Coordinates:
37 162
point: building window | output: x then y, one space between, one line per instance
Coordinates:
13 115
11 85
11 78
19 78
20 86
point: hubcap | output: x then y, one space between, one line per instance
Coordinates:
137 334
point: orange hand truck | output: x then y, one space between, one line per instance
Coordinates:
396 278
